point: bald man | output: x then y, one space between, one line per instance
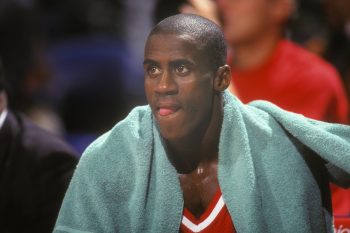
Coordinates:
198 160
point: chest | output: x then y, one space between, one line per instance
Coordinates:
199 188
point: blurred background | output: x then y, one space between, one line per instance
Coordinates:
74 67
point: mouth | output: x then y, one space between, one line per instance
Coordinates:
166 110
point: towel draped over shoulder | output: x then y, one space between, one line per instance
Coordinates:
274 168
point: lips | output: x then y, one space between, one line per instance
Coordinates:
168 109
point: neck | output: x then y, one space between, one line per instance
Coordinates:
201 147
250 54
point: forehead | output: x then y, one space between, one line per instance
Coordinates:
163 46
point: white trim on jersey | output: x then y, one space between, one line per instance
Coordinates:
201 226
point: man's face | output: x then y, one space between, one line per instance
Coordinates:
244 20
178 85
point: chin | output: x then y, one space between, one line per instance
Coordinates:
237 37
171 128
169 135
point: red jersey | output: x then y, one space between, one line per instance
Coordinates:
298 81
215 219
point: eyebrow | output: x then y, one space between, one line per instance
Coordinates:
150 62
182 61
172 63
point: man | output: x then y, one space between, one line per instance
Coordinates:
198 160
35 170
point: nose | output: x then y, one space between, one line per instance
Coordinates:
166 84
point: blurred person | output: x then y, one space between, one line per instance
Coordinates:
22 50
35 170
196 159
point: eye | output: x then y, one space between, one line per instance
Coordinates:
182 69
153 70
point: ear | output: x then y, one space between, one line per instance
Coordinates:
222 78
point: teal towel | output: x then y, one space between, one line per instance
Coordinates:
273 170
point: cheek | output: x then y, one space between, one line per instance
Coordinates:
198 103
148 86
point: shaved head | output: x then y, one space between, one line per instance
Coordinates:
206 35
